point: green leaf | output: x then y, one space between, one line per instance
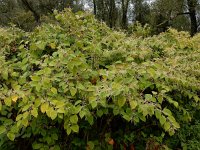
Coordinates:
11 136
90 145
4 74
52 113
14 129
80 86
19 117
75 128
8 101
69 130
99 113
41 45
133 104
54 136
73 91
162 120
158 114
160 98
171 132
37 102
78 102
151 110
93 104
33 47
25 114
127 117
167 126
148 97
35 78
74 119
136 119
176 104
26 107
82 114
121 101
24 122
34 112
21 46
61 110
144 109
90 119
92 98
56 147
176 125
167 112
54 90
37 145
2 129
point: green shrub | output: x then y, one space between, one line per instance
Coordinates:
76 84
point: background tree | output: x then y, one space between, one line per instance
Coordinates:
159 14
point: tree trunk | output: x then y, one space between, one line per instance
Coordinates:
124 13
95 7
111 13
192 13
101 15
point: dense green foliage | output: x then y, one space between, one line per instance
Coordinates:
77 84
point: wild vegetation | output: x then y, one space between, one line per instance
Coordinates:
183 15
77 84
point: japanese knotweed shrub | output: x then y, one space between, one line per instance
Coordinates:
77 83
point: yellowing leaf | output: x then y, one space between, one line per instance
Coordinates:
53 114
14 98
53 45
44 107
